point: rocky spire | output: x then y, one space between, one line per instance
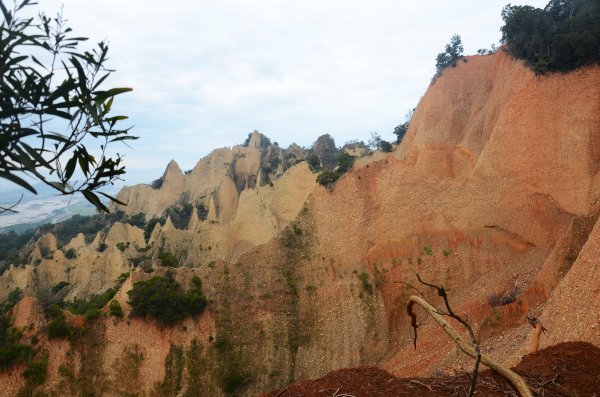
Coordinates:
193 223
172 171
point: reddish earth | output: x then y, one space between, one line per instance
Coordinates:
566 369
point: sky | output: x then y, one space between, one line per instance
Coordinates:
206 73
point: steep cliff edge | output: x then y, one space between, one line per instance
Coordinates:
493 193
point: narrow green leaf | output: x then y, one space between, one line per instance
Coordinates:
37 156
83 163
92 198
111 198
58 186
7 15
58 113
81 75
19 181
70 167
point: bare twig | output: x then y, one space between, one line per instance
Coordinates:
468 349
11 208
420 384
539 328
474 341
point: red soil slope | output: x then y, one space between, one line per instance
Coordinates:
567 369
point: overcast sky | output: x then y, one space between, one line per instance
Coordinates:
206 73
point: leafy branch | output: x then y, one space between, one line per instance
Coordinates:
51 100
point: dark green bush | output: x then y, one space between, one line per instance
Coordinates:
314 162
11 244
59 327
167 259
137 220
400 131
164 300
96 302
366 285
35 373
452 53
345 163
150 226
327 177
102 247
13 298
115 309
92 314
11 351
157 183
71 253
121 246
386 146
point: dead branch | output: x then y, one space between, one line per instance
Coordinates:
10 209
535 339
518 382
474 342
420 384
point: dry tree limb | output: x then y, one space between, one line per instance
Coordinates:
535 339
420 384
463 345
465 322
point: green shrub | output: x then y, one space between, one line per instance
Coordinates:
11 244
386 146
102 247
327 177
96 302
71 253
11 351
92 314
35 373
164 300
115 309
121 246
366 285
314 162
452 53
345 163
150 226
59 327
13 298
167 259
138 220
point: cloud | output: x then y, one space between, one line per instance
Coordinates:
206 73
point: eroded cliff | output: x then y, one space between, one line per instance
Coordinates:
493 193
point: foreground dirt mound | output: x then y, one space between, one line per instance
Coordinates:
566 369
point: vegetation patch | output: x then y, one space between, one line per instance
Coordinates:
126 380
167 259
344 164
11 350
91 308
115 309
172 382
163 299
562 36
367 287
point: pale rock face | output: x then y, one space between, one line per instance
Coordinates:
76 242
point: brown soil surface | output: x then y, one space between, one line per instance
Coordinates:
566 369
